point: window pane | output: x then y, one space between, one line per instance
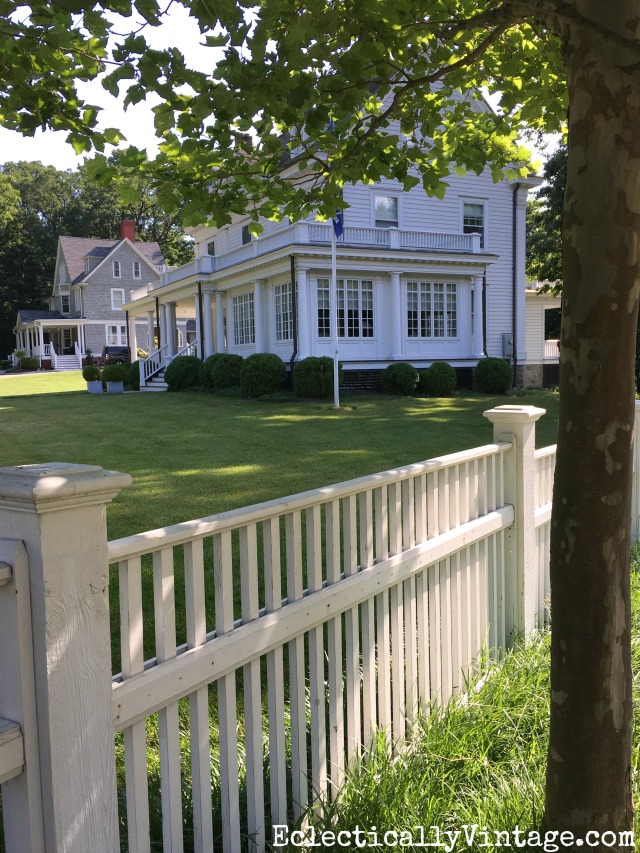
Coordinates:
386 211
324 316
243 319
473 220
452 312
284 319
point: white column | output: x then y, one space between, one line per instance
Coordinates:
304 314
150 331
41 343
517 425
199 334
478 351
258 314
133 341
521 250
162 325
171 329
59 512
208 321
220 342
396 316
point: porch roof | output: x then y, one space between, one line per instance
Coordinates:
42 317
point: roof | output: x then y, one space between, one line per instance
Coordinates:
28 316
75 249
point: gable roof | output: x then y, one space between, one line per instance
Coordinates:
29 315
75 249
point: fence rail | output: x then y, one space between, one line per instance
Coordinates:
276 641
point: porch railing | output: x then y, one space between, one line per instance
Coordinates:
153 364
78 353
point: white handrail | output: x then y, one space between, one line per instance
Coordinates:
79 353
54 357
152 364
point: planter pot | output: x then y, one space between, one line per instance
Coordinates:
115 387
94 386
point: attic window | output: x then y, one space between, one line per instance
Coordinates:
246 235
211 249
116 269
136 269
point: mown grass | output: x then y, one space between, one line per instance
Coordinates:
480 761
26 384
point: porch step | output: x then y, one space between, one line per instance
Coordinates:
67 362
156 383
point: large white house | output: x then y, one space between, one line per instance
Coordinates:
418 279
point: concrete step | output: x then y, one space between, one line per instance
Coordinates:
156 383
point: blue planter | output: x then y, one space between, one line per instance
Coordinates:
94 386
115 387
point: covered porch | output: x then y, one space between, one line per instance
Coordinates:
58 342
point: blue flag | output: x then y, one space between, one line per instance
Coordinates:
338 223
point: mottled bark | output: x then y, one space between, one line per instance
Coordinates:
589 762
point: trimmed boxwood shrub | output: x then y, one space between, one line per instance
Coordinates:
262 373
438 380
223 371
493 376
29 363
91 373
115 373
183 373
206 369
133 377
313 377
399 378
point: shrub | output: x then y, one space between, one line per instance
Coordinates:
262 373
29 363
399 378
115 373
438 380
91 372
183 372
206 368
133 375
313 377
493 376
224 370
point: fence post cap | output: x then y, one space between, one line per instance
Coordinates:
517 414
55 485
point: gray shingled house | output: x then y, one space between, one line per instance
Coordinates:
93 279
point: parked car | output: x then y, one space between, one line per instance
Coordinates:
116 355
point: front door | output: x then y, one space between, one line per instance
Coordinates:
67 342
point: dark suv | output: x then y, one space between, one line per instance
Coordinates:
116 355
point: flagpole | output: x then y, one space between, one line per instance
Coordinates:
333 307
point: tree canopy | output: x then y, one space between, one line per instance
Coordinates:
544 222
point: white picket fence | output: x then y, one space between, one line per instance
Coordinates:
284 636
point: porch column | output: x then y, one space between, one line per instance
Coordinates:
396 316
259 318
41 344
162 326
207 294
304 336
150 331
477 317
220 344
171 328
133 341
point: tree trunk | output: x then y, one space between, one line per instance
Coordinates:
589 761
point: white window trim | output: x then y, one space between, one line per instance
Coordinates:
405 305
485 215
133 270
117 290
249 333
64 310
392 193
121 335
346 338
285 291
77 299
116 267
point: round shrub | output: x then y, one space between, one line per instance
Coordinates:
206 369
313 377
133 375
91 372
115 373
29 363
399 378
224 370
183 373
262 373
438 380
493 376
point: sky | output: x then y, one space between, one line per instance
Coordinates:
50 147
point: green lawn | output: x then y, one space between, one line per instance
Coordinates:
23 384
194 454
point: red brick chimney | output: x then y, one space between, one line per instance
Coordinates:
128 229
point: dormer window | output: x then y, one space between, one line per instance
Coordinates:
211 249
246 235
117 269
64 304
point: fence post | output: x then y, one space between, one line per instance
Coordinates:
59 512
517 425
635 494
